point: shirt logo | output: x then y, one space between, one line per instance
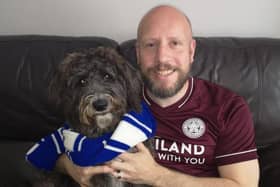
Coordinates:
193 128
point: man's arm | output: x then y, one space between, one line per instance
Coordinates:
244 174
81 175
140 167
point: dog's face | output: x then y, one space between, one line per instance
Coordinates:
94 89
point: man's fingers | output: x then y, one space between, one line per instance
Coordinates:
123 157
141 147
117 165
97 170
120 175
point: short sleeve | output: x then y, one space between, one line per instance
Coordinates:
236 142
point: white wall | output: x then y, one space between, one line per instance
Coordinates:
118 18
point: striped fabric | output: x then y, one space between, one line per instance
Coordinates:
44 154
132 129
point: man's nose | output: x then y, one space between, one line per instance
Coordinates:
163 53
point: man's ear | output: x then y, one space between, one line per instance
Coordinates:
192 49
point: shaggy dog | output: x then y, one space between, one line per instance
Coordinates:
93 89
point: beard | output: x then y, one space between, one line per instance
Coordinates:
161 92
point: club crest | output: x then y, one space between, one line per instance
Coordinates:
193 128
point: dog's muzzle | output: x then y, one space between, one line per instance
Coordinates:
99 103
97 108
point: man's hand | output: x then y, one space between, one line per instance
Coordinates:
137 168
81 175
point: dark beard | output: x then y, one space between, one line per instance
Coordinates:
165 93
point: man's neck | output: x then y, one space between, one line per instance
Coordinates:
165 102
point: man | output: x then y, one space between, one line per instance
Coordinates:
205 135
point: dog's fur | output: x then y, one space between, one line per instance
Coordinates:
93 89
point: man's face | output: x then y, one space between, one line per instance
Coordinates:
165 52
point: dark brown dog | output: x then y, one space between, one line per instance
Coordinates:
94 88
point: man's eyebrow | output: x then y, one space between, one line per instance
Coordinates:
148 40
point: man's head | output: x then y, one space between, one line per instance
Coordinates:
165 50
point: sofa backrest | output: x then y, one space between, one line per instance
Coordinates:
248 66
26 65
251 68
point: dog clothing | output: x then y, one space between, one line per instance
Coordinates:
44 153
83 151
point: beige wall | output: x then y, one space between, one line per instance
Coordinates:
118 18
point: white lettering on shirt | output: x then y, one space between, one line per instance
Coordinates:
182 148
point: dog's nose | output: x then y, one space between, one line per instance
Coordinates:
100 104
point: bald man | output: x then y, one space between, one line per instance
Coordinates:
205 135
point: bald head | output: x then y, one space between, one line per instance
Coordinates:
163 13
165 51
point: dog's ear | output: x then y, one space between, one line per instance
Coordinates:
58 83
134 87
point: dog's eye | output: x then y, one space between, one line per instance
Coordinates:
107 77
83 82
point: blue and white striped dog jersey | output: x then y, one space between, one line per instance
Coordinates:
133 128
44 153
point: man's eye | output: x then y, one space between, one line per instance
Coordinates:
175 43
149 45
